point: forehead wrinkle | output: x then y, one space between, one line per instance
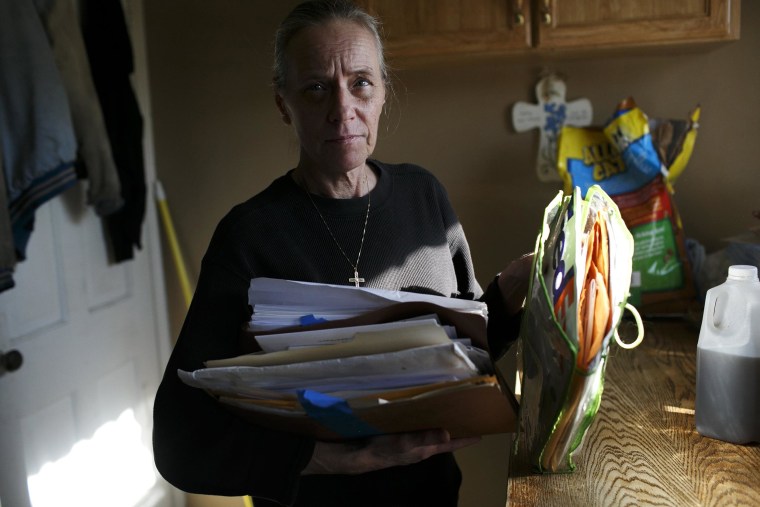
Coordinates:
350 53
324 59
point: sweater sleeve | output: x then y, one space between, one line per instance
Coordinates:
199 446
503 328
461 258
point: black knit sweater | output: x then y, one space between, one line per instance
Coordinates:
413 242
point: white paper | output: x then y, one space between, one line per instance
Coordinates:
285 341
376 371
280 303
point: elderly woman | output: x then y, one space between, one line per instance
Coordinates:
338 217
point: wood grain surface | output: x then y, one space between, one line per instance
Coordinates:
643 447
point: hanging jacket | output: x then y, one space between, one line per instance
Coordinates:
36 133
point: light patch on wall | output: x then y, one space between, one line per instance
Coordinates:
113 468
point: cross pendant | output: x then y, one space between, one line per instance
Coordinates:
356 280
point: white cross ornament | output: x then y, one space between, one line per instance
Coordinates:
550 114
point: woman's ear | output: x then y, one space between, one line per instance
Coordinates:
283 110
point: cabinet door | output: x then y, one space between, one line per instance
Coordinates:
618 23
415 28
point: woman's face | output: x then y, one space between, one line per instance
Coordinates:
333 95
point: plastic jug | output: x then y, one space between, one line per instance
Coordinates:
728 359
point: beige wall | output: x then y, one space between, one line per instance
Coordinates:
219 139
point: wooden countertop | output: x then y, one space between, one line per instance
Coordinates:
643 447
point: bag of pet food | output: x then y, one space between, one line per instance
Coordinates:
636 160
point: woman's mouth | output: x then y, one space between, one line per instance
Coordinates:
347 139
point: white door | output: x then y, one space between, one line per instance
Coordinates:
75 419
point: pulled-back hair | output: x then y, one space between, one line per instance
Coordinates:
318 12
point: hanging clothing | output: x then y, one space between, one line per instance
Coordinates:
109 51
36 132
7 251
95 162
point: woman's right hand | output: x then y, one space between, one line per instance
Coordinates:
514 282
383 451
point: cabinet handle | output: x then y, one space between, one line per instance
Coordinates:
546 12
519 17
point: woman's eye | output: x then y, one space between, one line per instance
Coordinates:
362 82
316 87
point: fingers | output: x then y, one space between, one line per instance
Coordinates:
520 267
383 451
404 448
407 448
400 449
514 282
459 443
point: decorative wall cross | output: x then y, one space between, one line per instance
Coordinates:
549 115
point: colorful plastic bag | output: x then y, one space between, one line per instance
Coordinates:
579 288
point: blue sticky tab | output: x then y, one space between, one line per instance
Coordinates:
310 319
334 414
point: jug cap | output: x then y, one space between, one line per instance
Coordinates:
742 272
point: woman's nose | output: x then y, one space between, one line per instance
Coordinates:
341 105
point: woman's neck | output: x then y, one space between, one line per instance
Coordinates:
354 183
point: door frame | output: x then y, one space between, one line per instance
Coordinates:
134 13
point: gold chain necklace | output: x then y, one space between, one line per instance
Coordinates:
356 280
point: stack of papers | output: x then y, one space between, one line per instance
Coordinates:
371 362
282 303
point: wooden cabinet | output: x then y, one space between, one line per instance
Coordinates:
414 28
425 28
630 23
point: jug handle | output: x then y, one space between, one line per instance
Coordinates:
639 325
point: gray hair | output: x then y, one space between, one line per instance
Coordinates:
318 12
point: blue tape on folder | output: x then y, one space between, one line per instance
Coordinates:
334 414
310 319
